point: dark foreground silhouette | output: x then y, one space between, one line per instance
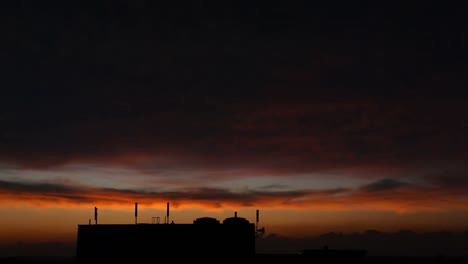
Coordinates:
377 243
258 258
380 247
236 239
206 239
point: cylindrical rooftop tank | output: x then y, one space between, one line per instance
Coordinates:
236 220
206 221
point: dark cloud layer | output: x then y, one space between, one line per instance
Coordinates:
275 88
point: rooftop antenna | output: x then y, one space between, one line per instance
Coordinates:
95 215
261 230
256 219
167 213
136 213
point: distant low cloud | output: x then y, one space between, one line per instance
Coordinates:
384 185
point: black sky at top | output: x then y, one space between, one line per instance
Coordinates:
67 64
208 47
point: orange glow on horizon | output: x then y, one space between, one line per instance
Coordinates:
401 200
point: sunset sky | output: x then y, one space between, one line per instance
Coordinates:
324 117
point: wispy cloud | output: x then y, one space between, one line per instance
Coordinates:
373 196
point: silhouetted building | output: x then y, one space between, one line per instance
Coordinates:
206 237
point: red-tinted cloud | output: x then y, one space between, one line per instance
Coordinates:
272 135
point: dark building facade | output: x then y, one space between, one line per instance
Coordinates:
206 237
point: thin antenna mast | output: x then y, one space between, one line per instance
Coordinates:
261 230
95 215
136 213
167 213
256 220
